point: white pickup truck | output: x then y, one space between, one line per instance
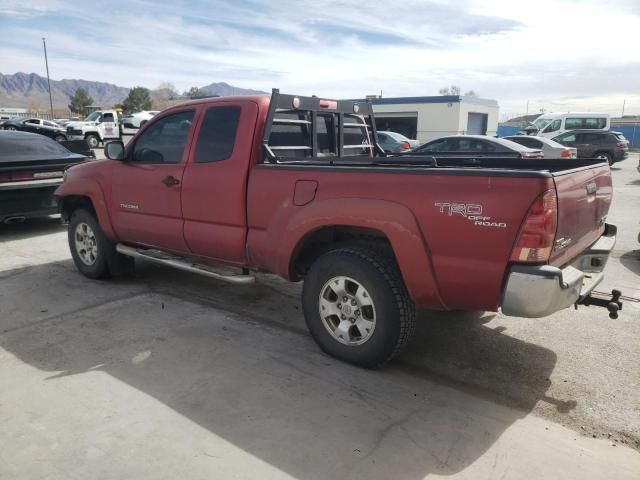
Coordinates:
99 126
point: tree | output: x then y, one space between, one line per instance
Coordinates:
471 93
139 98
452 90
194 92
165 91
80 101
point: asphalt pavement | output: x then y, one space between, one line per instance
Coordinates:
165 374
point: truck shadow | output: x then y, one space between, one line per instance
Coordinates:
248 372
32 227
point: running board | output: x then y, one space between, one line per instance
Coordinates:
182 263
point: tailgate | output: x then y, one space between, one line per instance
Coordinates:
584 197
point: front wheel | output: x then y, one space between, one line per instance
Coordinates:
93 140
357 307
94 255
60 138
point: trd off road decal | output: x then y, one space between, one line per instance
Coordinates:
471 211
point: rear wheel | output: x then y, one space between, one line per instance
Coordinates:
604 156
93 140
357 307
10 127
60 138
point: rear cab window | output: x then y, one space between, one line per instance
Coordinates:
217 136
292 137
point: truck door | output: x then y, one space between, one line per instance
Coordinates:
145 194
214 188
108 126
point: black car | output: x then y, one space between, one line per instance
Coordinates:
31 168
476 146
609 146
37 125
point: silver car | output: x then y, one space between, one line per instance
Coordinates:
550 148
392 142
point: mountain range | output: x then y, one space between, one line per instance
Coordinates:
29 90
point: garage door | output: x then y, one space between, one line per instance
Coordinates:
477 124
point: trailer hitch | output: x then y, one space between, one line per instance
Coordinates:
610 301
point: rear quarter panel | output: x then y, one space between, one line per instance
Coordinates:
456 264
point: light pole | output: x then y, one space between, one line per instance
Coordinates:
46 62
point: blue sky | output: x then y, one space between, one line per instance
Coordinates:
558 54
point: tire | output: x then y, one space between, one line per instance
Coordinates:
379 307
94 255
93 140
604 156
60 138
10 128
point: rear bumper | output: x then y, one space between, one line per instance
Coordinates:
28 199
535 291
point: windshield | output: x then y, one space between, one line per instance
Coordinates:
94 117
540 123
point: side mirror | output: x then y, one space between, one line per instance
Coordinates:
114 150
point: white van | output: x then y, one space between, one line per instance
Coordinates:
551 125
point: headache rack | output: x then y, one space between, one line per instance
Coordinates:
305 112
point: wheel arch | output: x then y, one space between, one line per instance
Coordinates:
89 195
329 224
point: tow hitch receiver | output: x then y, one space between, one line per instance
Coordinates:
600 299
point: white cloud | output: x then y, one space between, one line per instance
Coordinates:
551 53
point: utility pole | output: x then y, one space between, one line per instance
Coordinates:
527 107
623 104
46 62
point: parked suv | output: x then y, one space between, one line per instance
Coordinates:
609 146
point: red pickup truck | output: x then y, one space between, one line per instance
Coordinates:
300 187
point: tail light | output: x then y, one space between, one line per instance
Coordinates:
622 144
405 146
566 153
535 240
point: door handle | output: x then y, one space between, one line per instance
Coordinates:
170 181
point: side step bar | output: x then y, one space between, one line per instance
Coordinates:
182 263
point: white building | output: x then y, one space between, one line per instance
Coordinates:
428 118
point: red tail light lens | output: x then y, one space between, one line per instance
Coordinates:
566 153
405 146
535 240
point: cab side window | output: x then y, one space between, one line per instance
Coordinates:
107 117
164 141
218 134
